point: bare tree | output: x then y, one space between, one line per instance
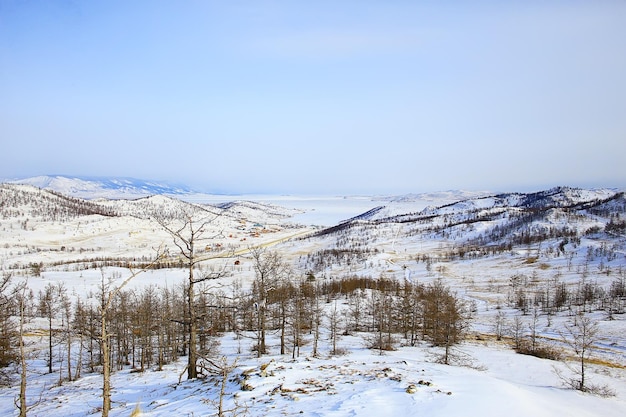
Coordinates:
517 332
500 325
533 326
8 331
317 319
296 311
334 321
222 369
81 328
407 309
356 311
269 269
50 305
580 335
108 292
445 317
66 309
381 311
283 295
190 228
21 402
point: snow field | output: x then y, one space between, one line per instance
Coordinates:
494 381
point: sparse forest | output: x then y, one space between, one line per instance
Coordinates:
422 279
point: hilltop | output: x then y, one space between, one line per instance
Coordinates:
103 187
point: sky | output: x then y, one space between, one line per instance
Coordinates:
316 97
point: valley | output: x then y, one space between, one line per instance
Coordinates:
522 270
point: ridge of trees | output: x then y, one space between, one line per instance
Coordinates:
23 201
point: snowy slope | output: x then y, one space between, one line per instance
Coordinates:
361 383
504 214
43 227
491 380
103 187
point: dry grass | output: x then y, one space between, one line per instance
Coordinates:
136 412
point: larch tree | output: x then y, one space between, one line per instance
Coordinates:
50 306
189 229
580 335
19 292
445 317
21 401
269 269
108 293
8 329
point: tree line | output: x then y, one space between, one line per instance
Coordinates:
150 327
552 295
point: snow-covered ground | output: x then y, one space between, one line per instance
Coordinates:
489 379
492 381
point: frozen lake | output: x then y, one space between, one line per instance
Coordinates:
317 210
330 210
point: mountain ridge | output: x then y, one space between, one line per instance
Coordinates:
92 187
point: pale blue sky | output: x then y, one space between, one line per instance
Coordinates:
316 96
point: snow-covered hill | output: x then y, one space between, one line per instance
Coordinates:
44 227
496 218
103 187
504 255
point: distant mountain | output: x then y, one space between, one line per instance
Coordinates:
103 187
438 196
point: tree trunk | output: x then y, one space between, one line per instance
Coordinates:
106 368
50 332
69 351
192 371
79 361
262 347
283 324
22 401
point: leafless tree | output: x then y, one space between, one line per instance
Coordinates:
81 327
50 305
381 311
580 335
221 369
108 292
408 311
21 402
445 317
66 313
190 228
356 311
334 321
517 332
500 325
296 312
533 326
269 270
8 330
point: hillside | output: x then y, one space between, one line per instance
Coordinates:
509 251
505 219
45 229
345 305
103 187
